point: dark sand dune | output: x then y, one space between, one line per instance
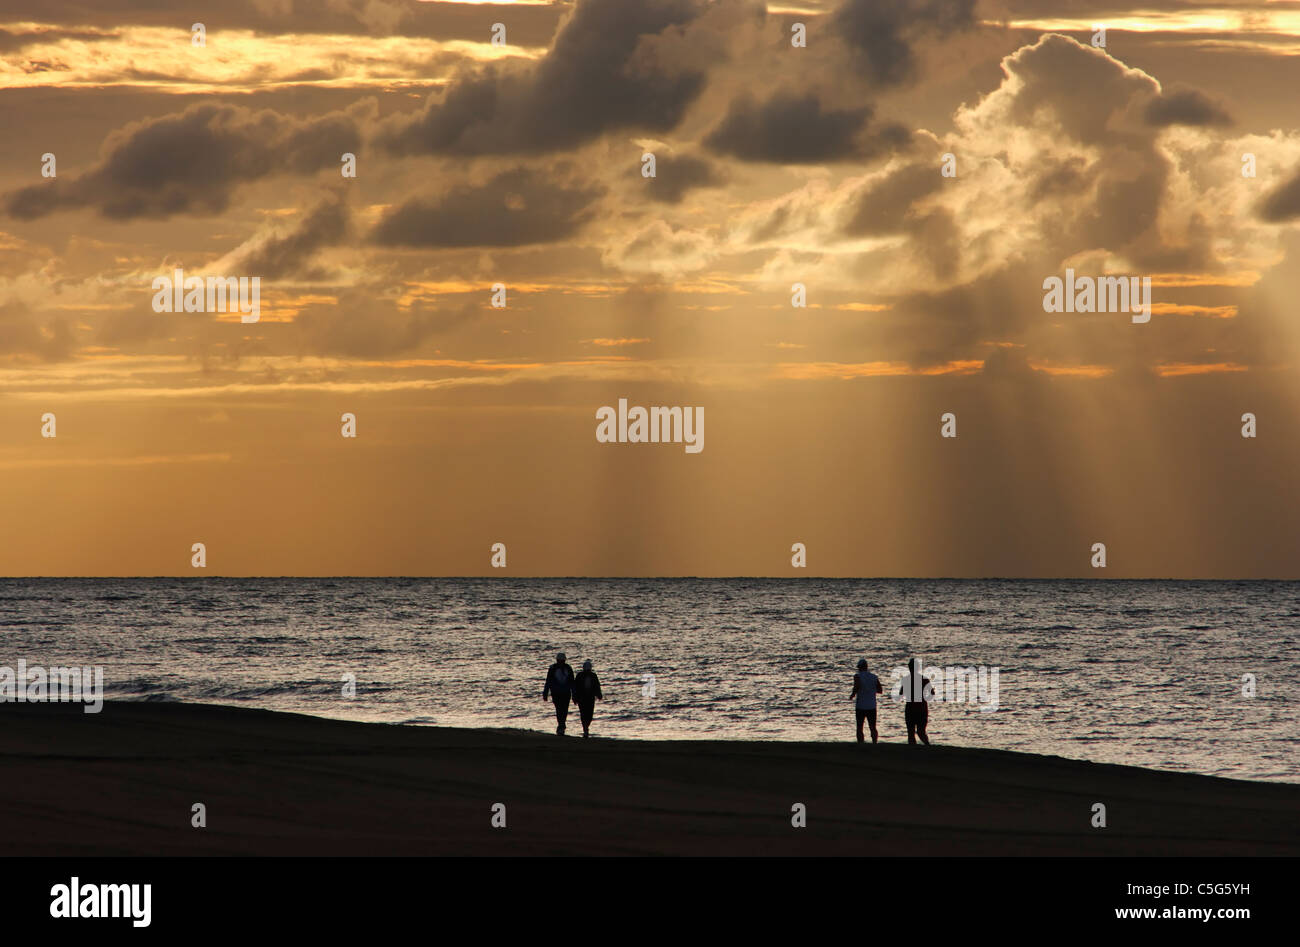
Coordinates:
122 783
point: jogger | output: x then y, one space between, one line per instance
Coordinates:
916 712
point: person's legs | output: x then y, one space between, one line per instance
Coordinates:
561 713
911 724
871 722
585 711
920 727
862 715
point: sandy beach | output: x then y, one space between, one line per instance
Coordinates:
123 782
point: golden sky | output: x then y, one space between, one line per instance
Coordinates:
522 164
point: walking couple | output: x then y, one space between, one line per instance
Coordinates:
562 685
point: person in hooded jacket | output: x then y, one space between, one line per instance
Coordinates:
586 691
559 688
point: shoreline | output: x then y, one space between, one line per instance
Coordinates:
894 737
122 782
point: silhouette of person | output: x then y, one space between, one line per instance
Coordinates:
916 712
586 691
559 687
865 687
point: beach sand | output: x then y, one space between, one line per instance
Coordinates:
122 782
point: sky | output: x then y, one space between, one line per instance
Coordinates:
918 167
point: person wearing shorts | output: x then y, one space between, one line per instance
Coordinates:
916 712
865 688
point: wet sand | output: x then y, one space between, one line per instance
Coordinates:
123 782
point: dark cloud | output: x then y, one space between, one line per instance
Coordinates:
794 129
887 206
936 233
1060 179
675 175
1185 107
599 75
884 205
934 326
1283 203
191 161
880 34
1010 363
327 224
513 209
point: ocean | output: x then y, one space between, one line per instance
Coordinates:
1149 673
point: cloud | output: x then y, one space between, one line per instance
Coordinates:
606 70
190 162
12 40
1283 202
1084 156
658 248
1047 178
893 204
880 33
883 206
382 333
23 335
614 343
790 128
515 208
676 175
1185 107
530 24
274 255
